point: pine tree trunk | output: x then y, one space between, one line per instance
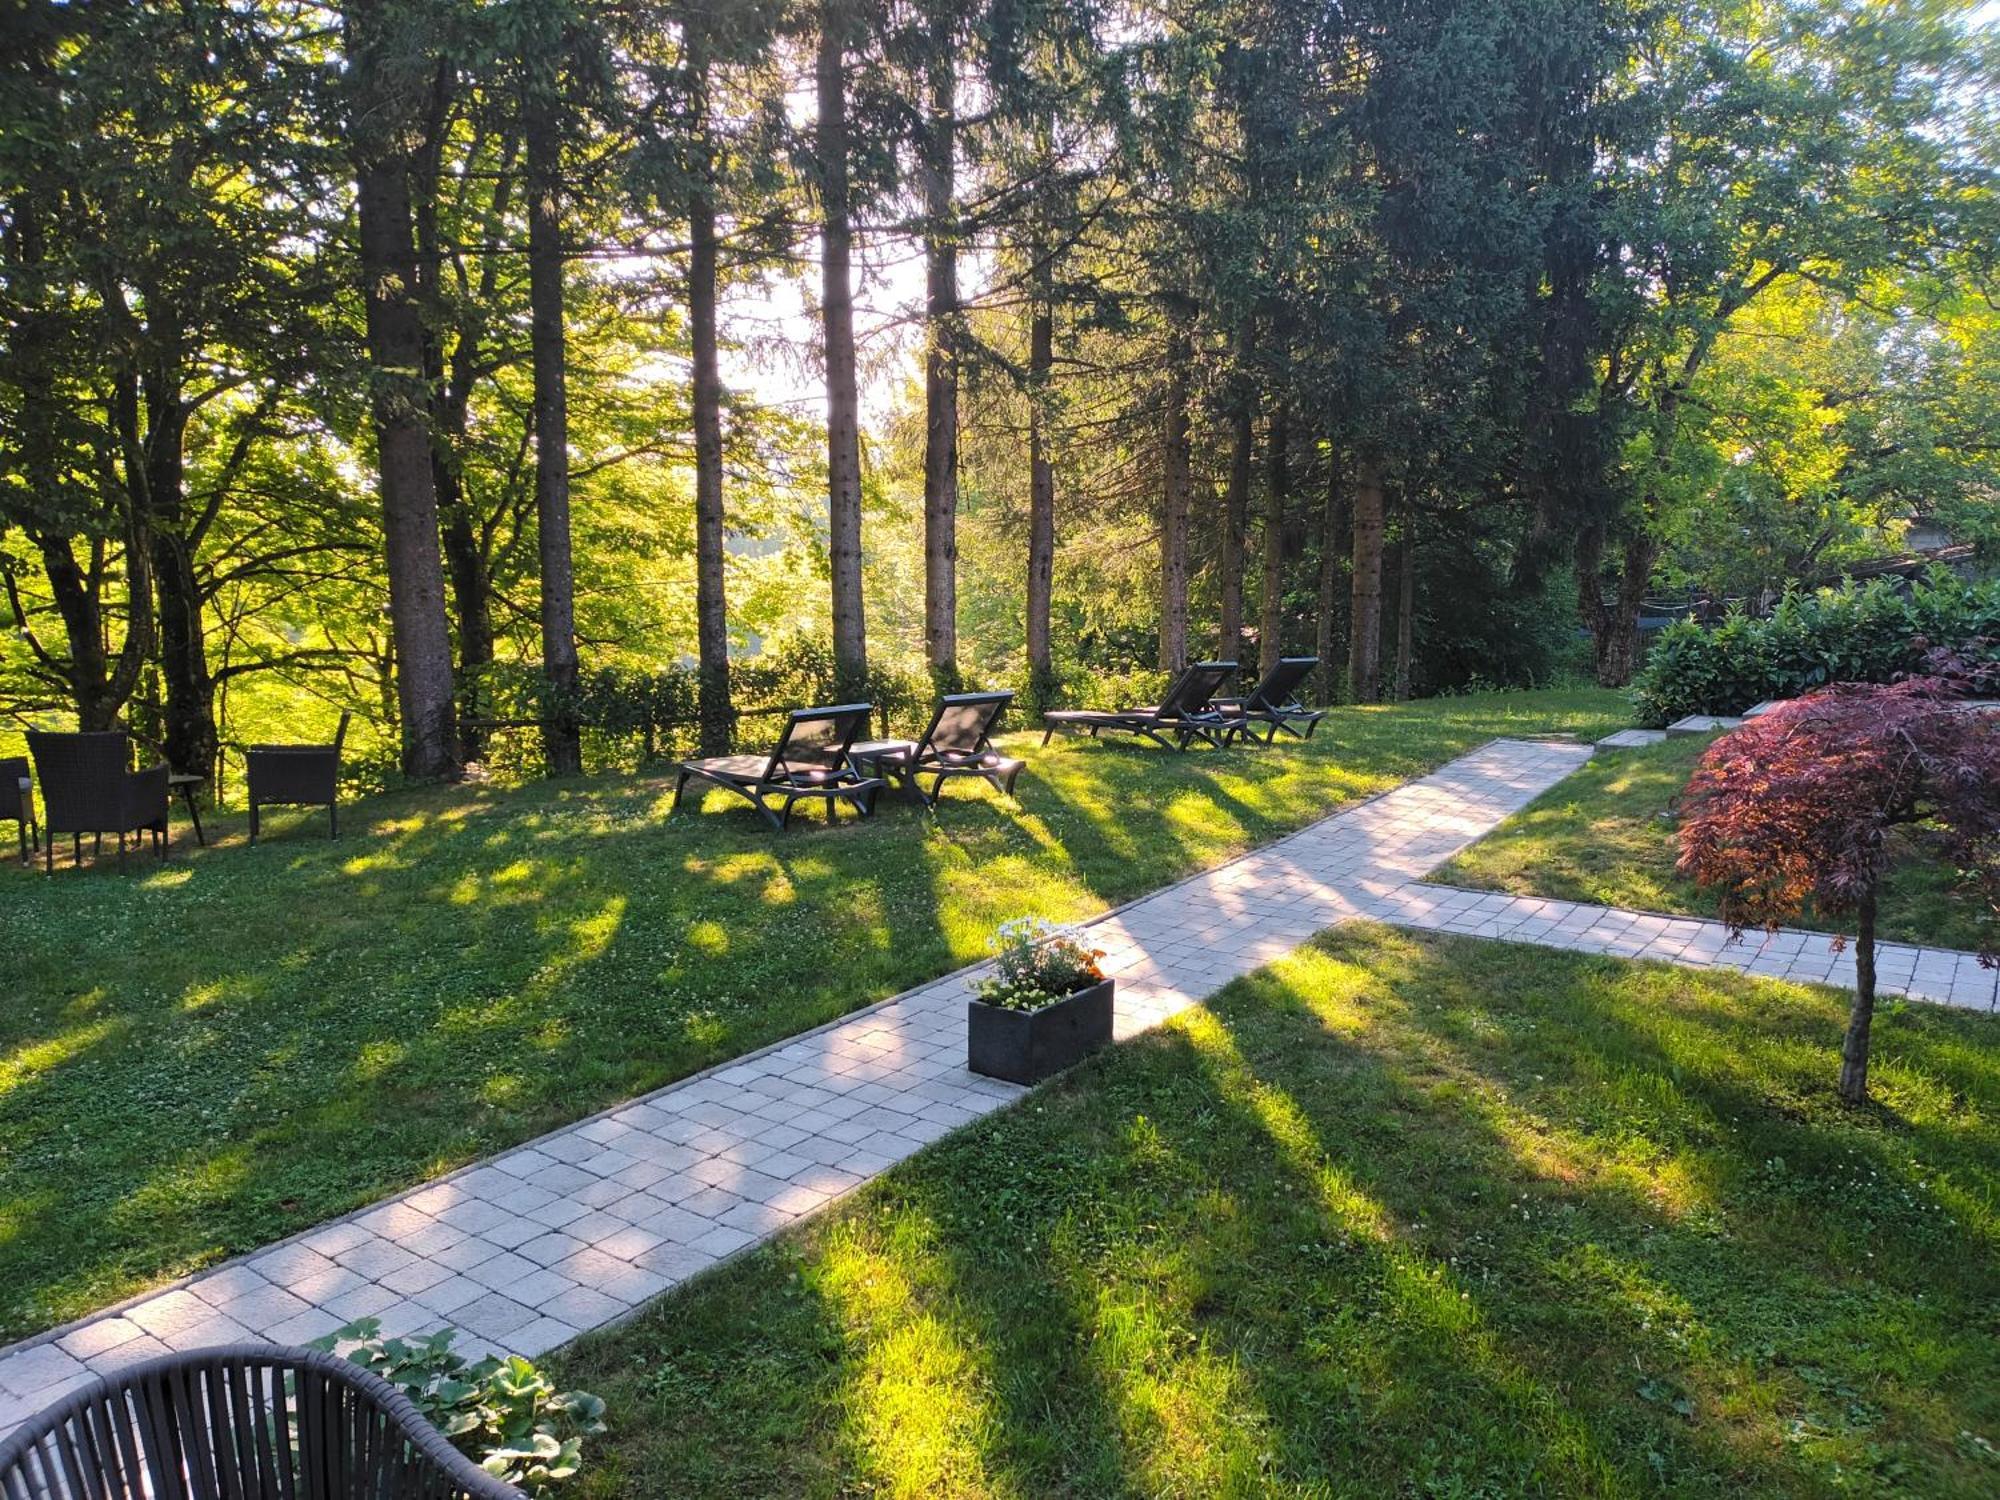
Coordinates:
843 405
471 584
1332 536
548 341
1235 513
1175 463
1406 609
1277 496
1236 498
1364 630
382 122
1041 482
1861 1020
449 383
710 519
189 717
941 370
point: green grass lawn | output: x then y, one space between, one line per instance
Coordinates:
199 1059
1608 835
1401 1215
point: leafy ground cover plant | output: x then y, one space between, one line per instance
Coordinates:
1040 963
504 1414
1799 805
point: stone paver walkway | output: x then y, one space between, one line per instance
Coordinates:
526 1250
1944 976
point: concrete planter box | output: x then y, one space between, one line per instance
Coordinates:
1026 1046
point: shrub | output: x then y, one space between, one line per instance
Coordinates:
1868 633
1040 963
505 1415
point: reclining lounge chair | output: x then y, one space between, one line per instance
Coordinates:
1185 714
809 761
1273 703
958 743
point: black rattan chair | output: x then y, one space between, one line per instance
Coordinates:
1272 705
244 1421
1185 714
88 788
958 743
809 761
296 776
17 803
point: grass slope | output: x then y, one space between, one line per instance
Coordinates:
1400 1215
1608 835
198 1060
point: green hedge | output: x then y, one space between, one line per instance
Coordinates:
1871 633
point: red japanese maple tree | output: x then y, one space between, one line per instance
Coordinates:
1801 804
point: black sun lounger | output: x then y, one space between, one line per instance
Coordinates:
809 760
1273 703
1185 714
958 743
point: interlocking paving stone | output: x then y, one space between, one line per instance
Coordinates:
1940 976
1704 724
1631 739
574 1231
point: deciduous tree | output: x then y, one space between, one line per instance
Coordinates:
1804 804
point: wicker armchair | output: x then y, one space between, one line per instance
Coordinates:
17 803
296 776
254 1421
87 788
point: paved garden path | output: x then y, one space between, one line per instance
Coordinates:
527 1249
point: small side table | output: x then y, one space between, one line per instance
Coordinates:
185 782
867 757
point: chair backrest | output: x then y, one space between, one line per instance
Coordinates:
340 734
239 1420
82 775
963 722
1277 688
13 800
814 741
1191 690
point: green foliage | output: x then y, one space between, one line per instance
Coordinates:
1039 963
1872 632
504 1414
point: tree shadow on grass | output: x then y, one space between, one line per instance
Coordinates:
1334 1235
211 1055
1717 1291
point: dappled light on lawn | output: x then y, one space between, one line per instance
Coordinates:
539 952
1602 1223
